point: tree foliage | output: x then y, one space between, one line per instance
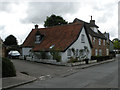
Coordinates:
10 40
54 20
116 43
8 69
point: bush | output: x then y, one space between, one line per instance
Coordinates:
55 54
57 57
44 55
112 54
8 69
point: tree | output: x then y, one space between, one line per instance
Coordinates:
8 69
10 40
116 43
54 20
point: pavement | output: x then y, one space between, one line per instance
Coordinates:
21 79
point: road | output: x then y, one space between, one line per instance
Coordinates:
38 69
100 76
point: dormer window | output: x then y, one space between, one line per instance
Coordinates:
52 46
38 39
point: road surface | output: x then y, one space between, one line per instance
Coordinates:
100 76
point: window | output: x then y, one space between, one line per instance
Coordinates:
77 52
94 40
99 41
96 52
82 38
107 51
38 38
103 42
68 52
100 52
52 46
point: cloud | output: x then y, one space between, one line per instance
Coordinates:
16 17
2 27
38 11
105 12
7 6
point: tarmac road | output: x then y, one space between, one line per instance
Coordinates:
100 76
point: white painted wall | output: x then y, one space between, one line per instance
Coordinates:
94 29
25 51
78 45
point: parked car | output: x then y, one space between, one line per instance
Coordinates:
13 54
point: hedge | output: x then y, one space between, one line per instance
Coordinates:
8 69
101 58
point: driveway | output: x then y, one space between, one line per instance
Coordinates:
38 69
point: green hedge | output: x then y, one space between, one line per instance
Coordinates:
8 69
101 58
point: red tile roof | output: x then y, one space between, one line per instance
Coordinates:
61 36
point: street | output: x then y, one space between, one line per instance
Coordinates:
100 76
38 69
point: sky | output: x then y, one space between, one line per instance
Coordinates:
18 17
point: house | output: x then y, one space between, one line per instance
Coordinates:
2 48
68 39
98 40
111 46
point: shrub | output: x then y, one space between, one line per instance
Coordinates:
55 54
101 58
44 55
8 69
112 54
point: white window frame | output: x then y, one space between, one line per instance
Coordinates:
103 42
37 39
99 41
96 52
100 52
107 51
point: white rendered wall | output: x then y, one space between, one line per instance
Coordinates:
78 45
25 51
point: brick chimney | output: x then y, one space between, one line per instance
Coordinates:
36 26
92 22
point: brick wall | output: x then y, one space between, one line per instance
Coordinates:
97 46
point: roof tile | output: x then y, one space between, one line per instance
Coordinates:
60 36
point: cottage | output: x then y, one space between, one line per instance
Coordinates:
98 40
71 40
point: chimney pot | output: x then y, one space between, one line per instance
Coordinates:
36 26
92 21
91 17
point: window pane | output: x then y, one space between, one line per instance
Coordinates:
69 52
96 52
82 38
